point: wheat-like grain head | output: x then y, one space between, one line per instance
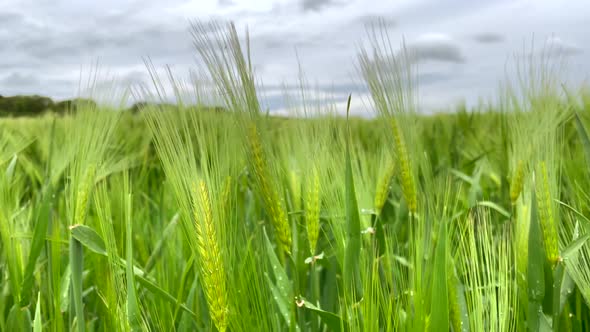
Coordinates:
517 181
83 193
269 195
547 221
407 177
212 270
383 183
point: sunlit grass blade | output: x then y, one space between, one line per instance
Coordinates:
38 320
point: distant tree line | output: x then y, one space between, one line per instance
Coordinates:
15 106
35 105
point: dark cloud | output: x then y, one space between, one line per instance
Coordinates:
377 20
10 19
435 47
29 84
488 38
225 3
316 5
135 77
119 44
428 78
335 88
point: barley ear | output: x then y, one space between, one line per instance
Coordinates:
548 225
383 183
270 197
407 178
517 182
211 262
82 195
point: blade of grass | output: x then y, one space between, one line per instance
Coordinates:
89 238
164 295
535 271
76 270
332 321
353 226
133 314
37 244
281 288
37 323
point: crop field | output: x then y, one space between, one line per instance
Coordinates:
194 219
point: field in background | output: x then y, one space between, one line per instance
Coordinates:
191 220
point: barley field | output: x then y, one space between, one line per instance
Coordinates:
188 219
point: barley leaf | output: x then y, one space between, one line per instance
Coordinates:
132 303
280 300
162 294
573 248
495 207
281 279
40 231
65 283
11 167
332 321
37 323
281 289
89 238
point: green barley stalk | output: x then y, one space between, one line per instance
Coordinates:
312 209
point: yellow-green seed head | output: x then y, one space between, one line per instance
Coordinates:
382 190
407 178
517 182
82 195
547 221
211 261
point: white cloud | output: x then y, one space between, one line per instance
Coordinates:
557 47
462 46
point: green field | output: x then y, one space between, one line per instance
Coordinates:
189 219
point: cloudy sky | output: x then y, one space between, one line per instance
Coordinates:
463 46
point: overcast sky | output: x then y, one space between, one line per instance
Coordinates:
463 45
